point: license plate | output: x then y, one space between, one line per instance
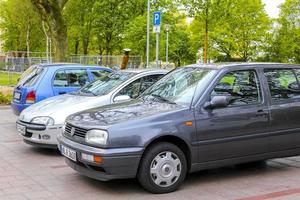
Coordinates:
69 153
17 95
21 129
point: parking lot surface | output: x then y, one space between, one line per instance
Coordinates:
31 173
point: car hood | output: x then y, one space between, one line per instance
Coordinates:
117 113
59 107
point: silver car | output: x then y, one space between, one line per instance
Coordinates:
41 123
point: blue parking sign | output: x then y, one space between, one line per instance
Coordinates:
156 18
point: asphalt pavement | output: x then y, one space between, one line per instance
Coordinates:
28 172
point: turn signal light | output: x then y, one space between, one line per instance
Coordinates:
98 159
91 158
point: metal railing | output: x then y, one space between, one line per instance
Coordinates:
107 60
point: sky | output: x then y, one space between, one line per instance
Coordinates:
272 7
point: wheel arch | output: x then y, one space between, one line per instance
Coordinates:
179 142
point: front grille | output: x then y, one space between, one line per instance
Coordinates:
80 132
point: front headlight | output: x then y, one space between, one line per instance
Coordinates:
96 137
48 121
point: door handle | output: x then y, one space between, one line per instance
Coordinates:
62 93
262 113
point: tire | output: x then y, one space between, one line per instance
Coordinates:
168 167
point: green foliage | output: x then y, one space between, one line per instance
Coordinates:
17 20
7 79
238 30
5 99
286 40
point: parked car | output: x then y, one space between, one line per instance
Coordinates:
196 117
42 81
42 122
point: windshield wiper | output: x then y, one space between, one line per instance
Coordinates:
162 98
85 92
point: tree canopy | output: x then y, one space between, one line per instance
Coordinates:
211 30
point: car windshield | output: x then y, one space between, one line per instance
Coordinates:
29 77
178 87
107 83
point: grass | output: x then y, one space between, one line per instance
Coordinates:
5 99
7 79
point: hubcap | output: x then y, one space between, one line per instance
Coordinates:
165 169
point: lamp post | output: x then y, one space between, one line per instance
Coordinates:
148 34
167 28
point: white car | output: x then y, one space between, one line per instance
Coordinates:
41 123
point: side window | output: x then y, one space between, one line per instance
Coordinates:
283 84
147 81
132 90
60 79
77 78
242 88
97 74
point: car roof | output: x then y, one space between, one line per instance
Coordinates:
58 65
219 66
145 70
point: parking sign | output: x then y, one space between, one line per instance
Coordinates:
156 21
156 18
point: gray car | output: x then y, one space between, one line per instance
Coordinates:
196 117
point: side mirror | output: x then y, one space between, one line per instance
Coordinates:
217 102
121 98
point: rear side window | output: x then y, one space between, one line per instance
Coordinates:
70 78
283 84
242 88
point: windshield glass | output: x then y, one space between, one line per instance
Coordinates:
107 83
179 86
29 77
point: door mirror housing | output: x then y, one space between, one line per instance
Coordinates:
121 98
217 102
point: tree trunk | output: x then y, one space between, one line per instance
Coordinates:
206 33
85 45
51 13
27 40
76 46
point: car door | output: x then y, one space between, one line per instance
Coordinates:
239 129
69 80
285 108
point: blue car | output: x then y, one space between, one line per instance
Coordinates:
42 81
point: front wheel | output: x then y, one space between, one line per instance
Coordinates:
163 168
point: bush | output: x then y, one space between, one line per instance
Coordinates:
5 99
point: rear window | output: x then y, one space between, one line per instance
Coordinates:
30 76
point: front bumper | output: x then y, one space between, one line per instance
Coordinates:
118 163
41 135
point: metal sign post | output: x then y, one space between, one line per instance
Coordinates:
156 29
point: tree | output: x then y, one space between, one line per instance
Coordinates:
242 30
80 15
51 12
20 26
204 11
286 44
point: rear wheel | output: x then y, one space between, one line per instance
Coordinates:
163 168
